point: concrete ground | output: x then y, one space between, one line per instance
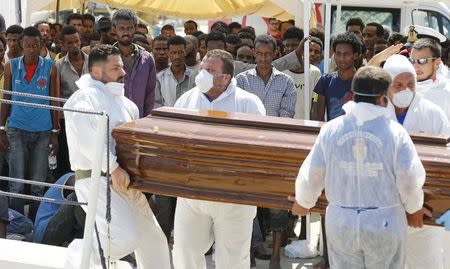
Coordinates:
287 263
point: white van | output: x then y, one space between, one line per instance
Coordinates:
395 14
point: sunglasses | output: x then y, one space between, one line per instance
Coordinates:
421 61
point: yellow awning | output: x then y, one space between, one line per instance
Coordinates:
193 9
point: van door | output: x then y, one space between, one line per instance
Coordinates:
431 19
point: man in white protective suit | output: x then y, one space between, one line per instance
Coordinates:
416 114
371 173
133 227
200 223
426 58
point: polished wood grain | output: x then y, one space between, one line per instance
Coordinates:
240 158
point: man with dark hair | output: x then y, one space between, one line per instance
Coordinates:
277 92
70 68
231 42
197 34
13 34
142 28
286 25
247 38
248 29
356 26
133 227
168 30
426 58
175 80
2 26
220 26
55 33
395 39
140 77
141 40
292 38
215 40
191 52
75 20
202 45
245 54
88 24
200 223
375 159
235 27
31 131
160 52
44 28
190 27
316 52
372 32
333 90
107 34
379 46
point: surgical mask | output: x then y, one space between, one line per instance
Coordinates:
204 81
403 98
115 88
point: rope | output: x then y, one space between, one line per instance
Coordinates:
57 108
37 96
108 192
40 199
38 183
100 250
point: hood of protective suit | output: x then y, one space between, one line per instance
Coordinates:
112 88
364 112
398 64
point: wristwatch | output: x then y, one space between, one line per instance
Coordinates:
3 128
55 131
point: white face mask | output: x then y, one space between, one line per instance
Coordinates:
403 98
115 88
204 81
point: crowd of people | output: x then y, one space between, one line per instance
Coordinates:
115 65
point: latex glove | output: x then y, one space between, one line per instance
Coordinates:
445 220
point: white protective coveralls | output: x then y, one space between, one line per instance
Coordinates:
437 92
133 226
443 72
372 174
199 223
424 245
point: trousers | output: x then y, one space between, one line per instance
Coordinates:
133 228
424 248
200 223
367 239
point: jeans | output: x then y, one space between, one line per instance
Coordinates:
279 220
28 159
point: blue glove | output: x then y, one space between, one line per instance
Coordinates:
445 219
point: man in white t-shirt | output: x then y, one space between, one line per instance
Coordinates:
291 39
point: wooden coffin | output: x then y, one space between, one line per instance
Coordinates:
240 158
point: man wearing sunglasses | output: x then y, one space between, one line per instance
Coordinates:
416 114
426 59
